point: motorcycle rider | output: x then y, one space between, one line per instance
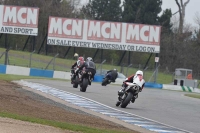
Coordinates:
89 66
113 74
77 64
130 79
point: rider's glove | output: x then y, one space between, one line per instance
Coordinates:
124 83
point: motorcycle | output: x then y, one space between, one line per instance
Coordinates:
130 93
86 79
107 79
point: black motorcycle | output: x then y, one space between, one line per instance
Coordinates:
107 79
85 81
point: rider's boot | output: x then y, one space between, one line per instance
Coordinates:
136 96
133 100
118 103
89 82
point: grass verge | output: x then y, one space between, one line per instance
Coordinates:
57 124
193 95
10 77
62 125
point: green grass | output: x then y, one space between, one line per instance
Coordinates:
10 77
62 125
193 95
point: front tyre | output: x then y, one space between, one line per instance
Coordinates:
104 82
75 83
84 85
127 100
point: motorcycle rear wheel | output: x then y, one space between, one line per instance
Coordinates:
84 85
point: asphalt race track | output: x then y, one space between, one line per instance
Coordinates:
167 107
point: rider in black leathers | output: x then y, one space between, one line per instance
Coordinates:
113 74
89 66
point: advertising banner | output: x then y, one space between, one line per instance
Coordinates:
19 20
103 35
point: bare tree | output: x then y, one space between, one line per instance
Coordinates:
197 19
175 21
181 11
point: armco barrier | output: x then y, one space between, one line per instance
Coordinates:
41 73
98 78
153 85
17 70
3 69
180 88
62 75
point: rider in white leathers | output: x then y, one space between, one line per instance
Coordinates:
130 79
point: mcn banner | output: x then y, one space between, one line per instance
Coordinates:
103 35
19 20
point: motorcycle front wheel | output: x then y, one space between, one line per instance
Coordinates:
104 82
127 100
76 81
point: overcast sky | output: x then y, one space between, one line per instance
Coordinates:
192 7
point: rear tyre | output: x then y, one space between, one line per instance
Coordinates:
84 85
127 100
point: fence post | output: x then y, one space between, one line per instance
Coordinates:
6 57
101 65
127 69
122 68
54 61
51 61
156 68
30 59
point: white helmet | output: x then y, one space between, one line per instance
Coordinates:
139 72
89 59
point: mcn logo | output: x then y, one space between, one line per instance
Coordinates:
104 31
20 16
143 34
64 27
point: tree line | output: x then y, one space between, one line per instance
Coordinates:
179 47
